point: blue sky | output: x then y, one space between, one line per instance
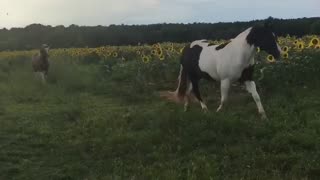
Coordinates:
19 13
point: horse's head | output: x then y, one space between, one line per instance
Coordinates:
45 48
265 39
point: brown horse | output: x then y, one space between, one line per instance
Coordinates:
40 62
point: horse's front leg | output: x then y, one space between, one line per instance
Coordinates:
225 85
43 77
251 88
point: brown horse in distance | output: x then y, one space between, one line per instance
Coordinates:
40 62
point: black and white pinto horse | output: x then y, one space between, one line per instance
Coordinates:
40 62
227 63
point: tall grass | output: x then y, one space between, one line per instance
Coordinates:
103 119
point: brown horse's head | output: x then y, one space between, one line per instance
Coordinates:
44 50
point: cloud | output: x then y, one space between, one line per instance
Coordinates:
105 12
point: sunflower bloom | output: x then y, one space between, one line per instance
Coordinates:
153 52
145 59
285 55
314 41
114 54
159 52
270 58
285 49
161 57
301 46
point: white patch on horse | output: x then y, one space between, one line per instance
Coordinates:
201 43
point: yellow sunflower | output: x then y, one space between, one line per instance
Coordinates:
145 59
314 41
115 54
285 55
285 49
108 54
153 52
159 52
270 58
161 57
301 45
138 52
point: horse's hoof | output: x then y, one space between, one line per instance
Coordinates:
264 116
205 110
185 109
219 108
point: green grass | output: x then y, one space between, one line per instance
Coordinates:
94 122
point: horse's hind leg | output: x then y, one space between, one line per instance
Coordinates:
196 91
251 88
225 85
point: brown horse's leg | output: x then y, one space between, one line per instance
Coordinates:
42 74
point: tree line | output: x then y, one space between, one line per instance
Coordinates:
34 35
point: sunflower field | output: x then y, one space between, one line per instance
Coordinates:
99 116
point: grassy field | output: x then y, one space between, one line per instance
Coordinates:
105 120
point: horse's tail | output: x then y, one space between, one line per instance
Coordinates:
183 83
179 94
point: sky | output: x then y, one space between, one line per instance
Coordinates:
20 13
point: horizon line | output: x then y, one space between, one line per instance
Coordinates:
122 24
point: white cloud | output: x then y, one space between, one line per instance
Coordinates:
104 12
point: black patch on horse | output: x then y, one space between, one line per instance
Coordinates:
190 62
191 70
262 37
247 74
221 46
